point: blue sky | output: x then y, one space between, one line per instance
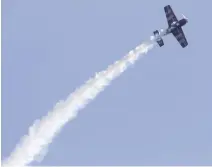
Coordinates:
157 113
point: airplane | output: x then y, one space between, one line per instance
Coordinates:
175 27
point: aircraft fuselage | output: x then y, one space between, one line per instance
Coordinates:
176 24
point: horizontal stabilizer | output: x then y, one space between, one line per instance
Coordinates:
158 39
160 43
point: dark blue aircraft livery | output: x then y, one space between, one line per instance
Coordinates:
175 27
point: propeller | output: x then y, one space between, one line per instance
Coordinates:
185 17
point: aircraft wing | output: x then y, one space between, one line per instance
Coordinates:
179 35
170 16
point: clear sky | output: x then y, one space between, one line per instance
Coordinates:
158 112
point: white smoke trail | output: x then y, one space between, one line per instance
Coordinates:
42 132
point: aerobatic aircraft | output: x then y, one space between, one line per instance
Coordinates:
175 27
